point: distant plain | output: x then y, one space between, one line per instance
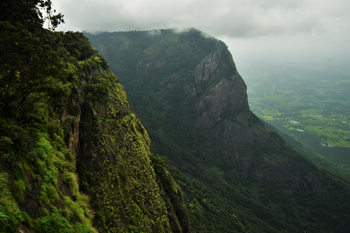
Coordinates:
309 102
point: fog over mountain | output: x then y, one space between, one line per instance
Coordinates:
255 30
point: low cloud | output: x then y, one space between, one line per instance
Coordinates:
304 25
238 18
155 32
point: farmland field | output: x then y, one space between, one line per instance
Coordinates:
308 103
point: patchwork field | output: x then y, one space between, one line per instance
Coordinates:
309 103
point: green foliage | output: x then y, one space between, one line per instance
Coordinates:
71 179
81 228
116 172
54 223
9 222
77 45
54 20
27 220
52 194
27 12
28 66
17 188
160 162
10 215
78 210
36 95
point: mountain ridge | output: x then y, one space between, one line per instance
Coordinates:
187 92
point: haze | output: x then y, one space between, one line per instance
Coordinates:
256 31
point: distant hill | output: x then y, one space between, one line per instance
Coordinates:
237 175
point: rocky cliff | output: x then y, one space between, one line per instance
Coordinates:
224 96
73 157
237 175
116 167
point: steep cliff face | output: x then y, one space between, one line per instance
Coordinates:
237 175
224 96
73 157
115 164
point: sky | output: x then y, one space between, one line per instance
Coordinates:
256 31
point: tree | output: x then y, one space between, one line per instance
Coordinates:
54 20
27 62
27 13
27 65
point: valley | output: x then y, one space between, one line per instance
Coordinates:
308 102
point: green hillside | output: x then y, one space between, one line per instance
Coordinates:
73 157
237 176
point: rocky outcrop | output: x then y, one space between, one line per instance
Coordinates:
223 99
207 66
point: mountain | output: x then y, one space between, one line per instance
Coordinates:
236 175
73 157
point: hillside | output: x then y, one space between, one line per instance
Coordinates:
73 157
237 175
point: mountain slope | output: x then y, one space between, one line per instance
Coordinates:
237 175
73 157
115 164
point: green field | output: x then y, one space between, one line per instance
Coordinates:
309 103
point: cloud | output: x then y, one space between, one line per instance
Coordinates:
237 18
248 26
154 32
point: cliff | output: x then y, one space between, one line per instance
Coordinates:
237 176
74 158
115 167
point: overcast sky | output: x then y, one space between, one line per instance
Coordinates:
254 30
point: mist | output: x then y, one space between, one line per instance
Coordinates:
263 33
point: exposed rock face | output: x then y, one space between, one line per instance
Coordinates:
208 65
226 96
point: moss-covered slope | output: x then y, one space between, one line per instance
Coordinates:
115 163
73 158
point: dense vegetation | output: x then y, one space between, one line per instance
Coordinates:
73 157
36 163
237 176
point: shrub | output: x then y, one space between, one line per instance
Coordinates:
71 179
52 194
9 222
78 211
27 220
81 228
17 188
54 223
